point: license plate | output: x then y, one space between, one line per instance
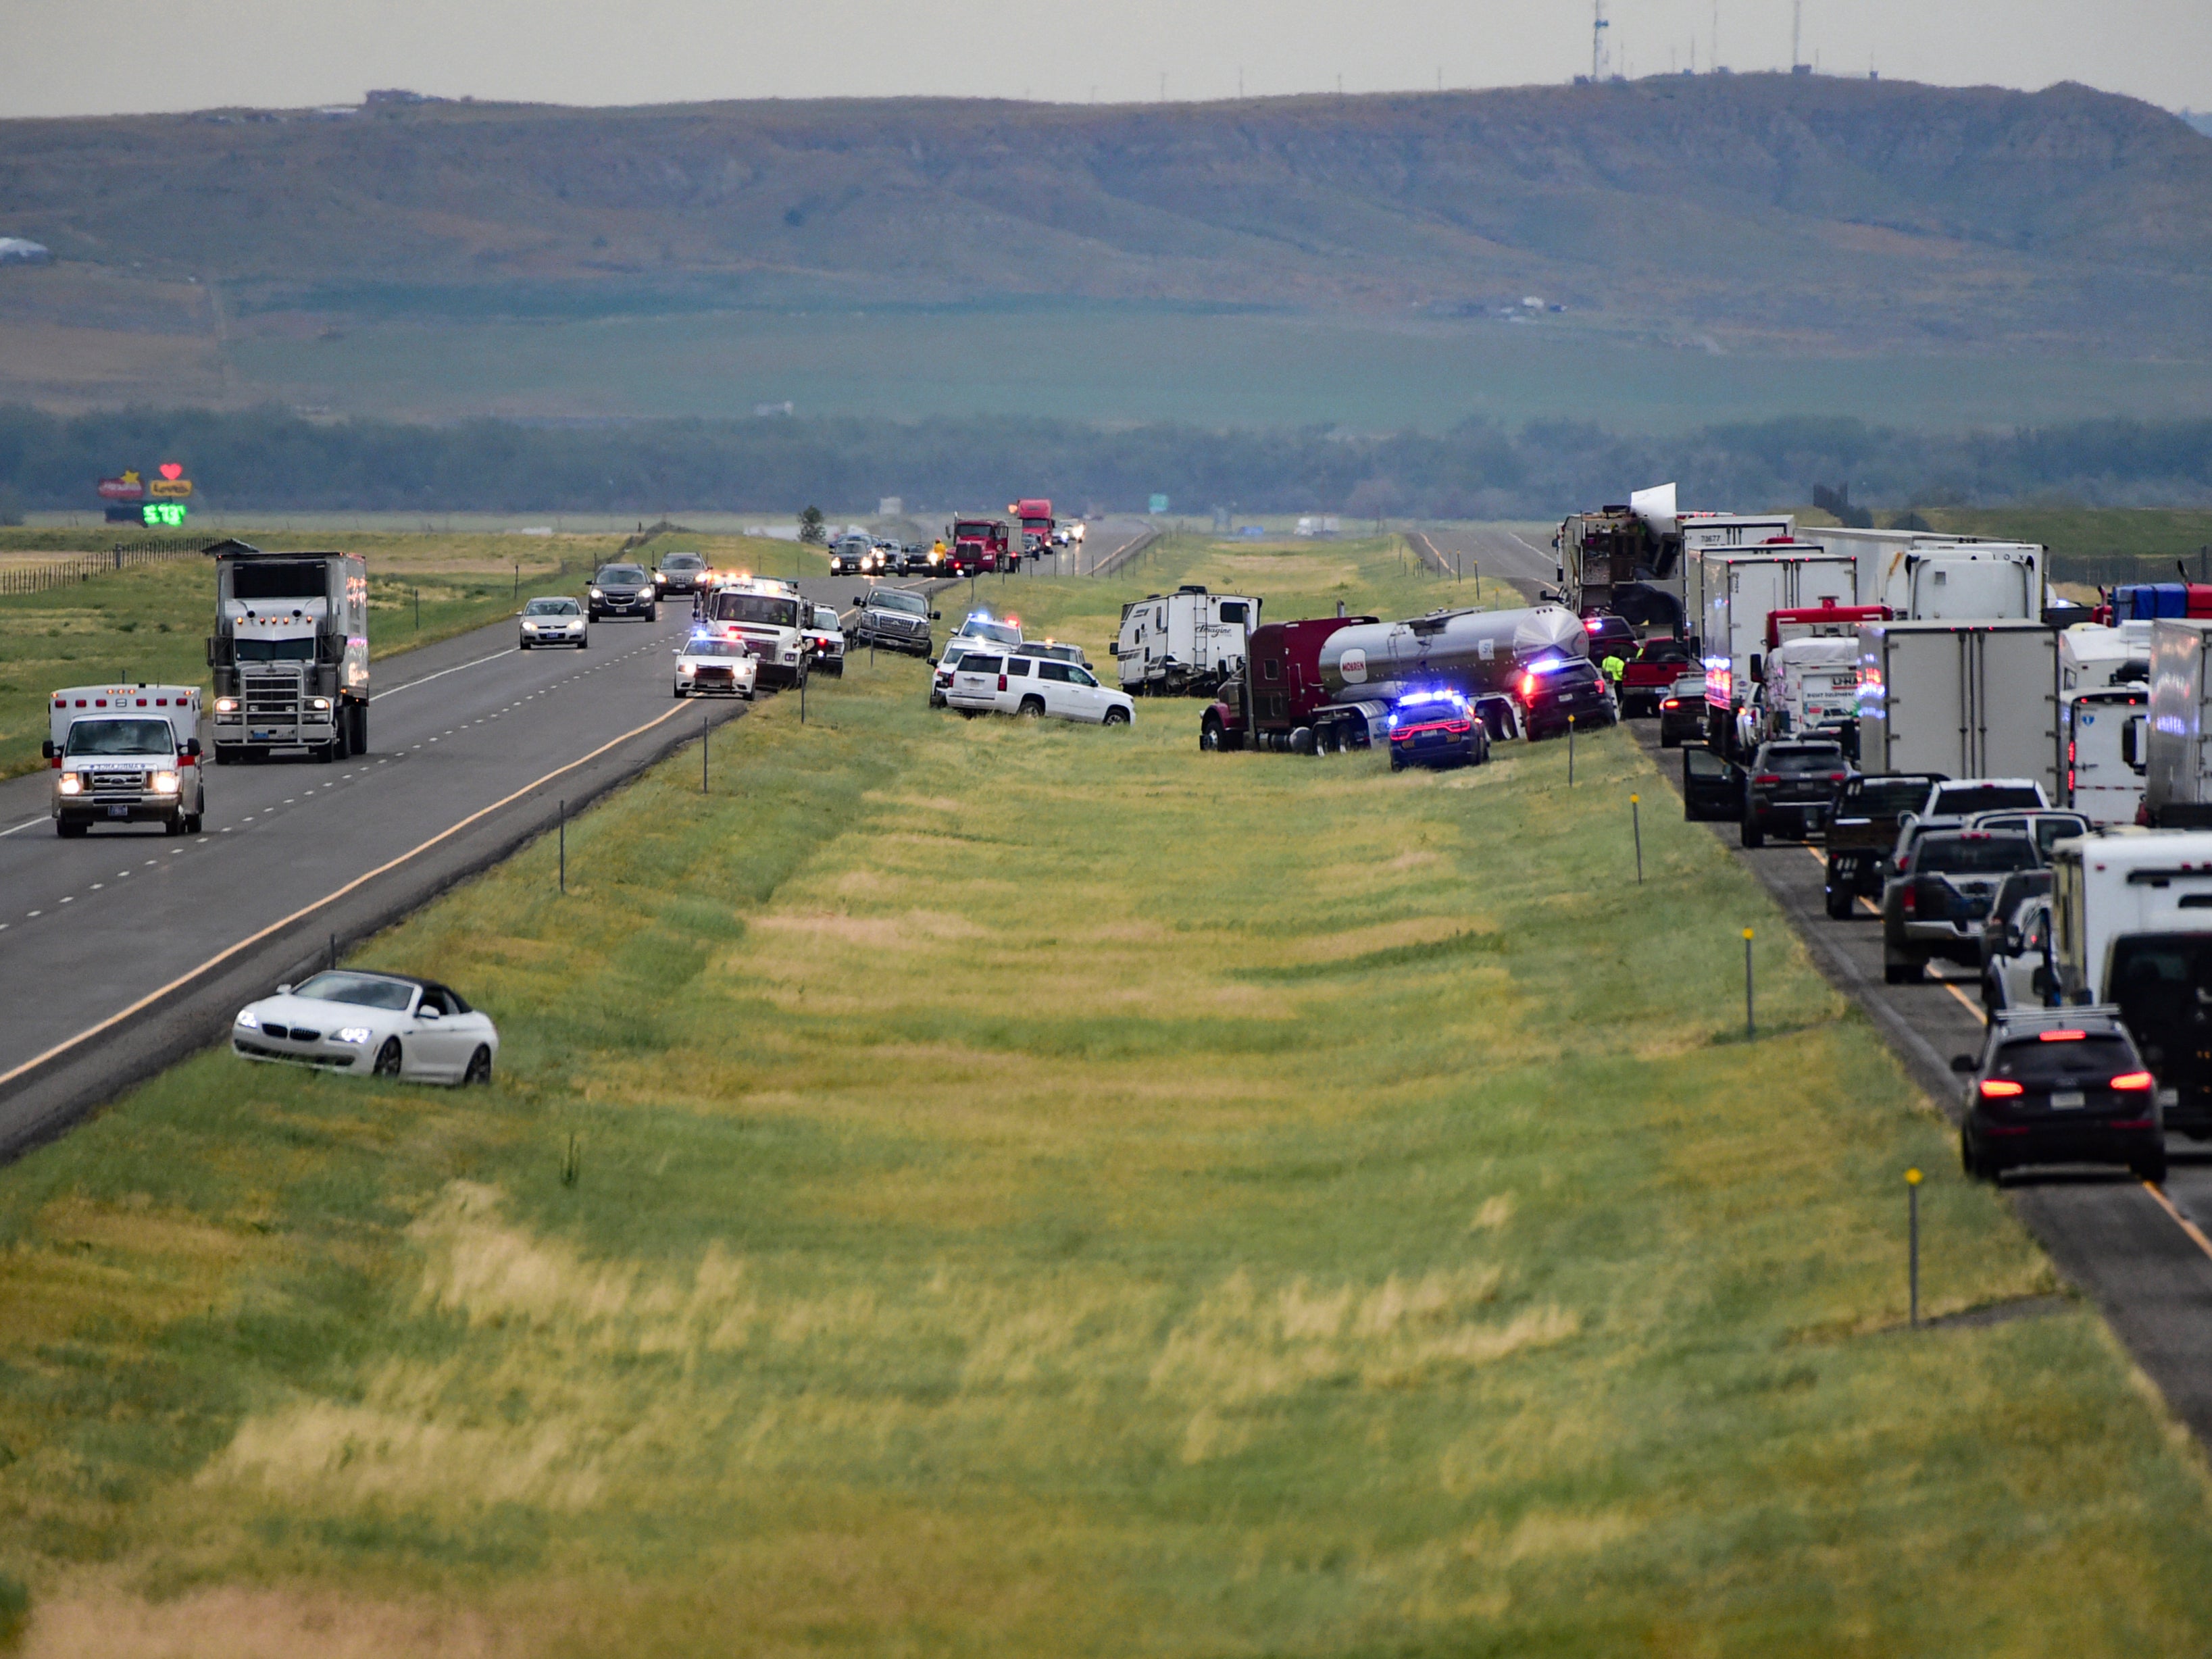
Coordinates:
2064 1100
118 811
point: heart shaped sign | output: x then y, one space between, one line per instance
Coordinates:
172 470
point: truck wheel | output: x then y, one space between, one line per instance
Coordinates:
360 728
225 755
173 825
1839 903
1752 835
1902 973
1116 717
192 823
70 830
1031 709
1209 734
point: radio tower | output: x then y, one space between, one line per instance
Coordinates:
1598 26
1796 33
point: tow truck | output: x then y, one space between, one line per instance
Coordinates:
768 614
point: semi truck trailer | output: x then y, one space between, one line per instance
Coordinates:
289 652
1968 700
2178 783
1739 588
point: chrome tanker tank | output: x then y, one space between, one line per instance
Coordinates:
1474 650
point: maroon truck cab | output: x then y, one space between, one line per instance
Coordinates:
980 545
1280 689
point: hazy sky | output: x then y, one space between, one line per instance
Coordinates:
80 57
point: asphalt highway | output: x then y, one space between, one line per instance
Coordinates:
1489 551
2142 1253
123 950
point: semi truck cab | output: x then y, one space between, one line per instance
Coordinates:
125 754
290 653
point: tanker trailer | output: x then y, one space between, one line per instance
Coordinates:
1478 652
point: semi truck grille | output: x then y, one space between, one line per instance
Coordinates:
272 699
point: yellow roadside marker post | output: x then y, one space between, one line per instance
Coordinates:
1636 823
1913 1227
1750 1026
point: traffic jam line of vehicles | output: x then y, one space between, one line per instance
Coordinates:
2018 786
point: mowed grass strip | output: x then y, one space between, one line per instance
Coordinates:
974 1188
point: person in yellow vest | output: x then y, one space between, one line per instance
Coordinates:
937 553
1612 668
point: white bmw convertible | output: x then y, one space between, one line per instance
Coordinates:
382 1025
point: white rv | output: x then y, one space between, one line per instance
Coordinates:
1189 641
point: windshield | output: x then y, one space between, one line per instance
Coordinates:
1978 855
683 562
972 530
717 648
892 599
998 633
550 608
826 618
1810 758
2090 1058
1967 799
618 574
361 990
277 650
754 608
1883 798
121 738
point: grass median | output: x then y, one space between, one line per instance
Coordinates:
976 1187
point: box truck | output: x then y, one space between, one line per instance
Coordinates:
1968 700
1741 589
2177 792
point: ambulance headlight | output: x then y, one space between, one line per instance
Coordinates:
353 1034
165 783
226 705
72 784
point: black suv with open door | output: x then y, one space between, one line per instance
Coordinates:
1788 788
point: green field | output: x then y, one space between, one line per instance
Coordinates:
977 1187
1117 364
151 623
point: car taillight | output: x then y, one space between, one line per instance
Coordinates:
1670 702
1995 1088
1768 777
1909 901
1002 682
2132 1080
1459 726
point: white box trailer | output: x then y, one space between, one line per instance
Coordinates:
1969 700
2177 789
1189 641
1924 576
2131 915
1810 682
1741 587
2104 748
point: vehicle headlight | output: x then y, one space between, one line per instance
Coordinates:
321 705
226 705
687 669
249 1020
165 783
597 594
72 784
354 1034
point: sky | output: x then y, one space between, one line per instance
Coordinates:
104 56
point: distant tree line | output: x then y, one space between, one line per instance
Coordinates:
271 458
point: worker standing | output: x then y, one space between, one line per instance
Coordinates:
1613 667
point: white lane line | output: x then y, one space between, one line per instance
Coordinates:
27 824
393 691
331 897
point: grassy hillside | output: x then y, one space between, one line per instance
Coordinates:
971 1187
1805 218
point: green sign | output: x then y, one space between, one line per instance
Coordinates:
163 515
1159 503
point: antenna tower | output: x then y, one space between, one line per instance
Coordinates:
1796 33
1598 26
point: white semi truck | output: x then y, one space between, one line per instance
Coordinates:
1968 700
290 653
2131 915
2178 785
1924 576
1740 588
125 754
1186 641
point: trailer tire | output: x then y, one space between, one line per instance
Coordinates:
1838 902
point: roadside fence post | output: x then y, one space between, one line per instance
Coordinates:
1912 1229
334 951
1750 1026
418 593
564 845
518 582
705 733
1570 752
803 677
1636 823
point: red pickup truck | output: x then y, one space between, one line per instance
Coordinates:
1651 675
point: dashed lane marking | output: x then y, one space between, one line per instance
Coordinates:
328 898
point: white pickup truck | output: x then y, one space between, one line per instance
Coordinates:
125 754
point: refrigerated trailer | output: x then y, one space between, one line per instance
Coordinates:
2178 785
1968 700
1740 588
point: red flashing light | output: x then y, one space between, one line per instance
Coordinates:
1527 685
1768 777
2132 1080
1997 1088
2060 1036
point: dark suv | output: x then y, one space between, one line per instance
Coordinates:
680 573
1936 904
1788 788
2059 1086
1563 689
623 590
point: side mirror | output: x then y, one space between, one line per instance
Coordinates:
2128 742
1964 1065
47 751
2039 981
283 990
427 1013
857 601
937 615
192 747
1757 670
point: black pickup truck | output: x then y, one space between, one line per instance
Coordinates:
895 618
1863 829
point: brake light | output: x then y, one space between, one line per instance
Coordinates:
1527 685
1995 1088
1768 777
1002 682
1670 702
2060 1036
2132 1080
1909 901
1459 726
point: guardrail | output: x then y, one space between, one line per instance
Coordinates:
1125 553
124 555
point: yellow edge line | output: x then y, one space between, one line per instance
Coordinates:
1966 1002
252 939
2196 1233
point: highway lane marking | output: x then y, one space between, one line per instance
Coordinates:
332 898
27 824
2196 1233
393 691
1980 1018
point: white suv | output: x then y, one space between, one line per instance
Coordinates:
1034 686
